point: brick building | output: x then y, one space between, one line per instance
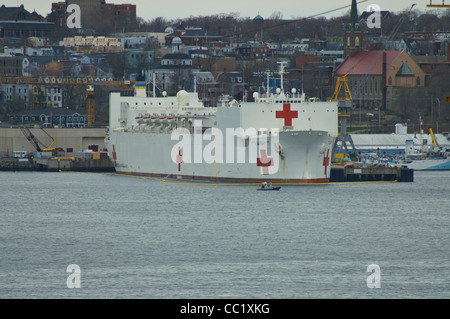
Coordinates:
97 13
365 76
17 23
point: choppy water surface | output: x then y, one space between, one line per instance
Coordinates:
138 238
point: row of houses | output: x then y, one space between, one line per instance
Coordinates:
364 70
50 117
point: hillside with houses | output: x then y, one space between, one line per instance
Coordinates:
398 72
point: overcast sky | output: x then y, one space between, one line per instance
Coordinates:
149 9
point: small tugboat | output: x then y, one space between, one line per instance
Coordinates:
269 187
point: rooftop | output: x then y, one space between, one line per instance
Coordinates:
367 62
60 111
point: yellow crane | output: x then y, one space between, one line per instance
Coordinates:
433 137
342 82
443 5
90 106
37 144
344 103
90 102
64 81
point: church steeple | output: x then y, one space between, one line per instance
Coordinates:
353 16
353 38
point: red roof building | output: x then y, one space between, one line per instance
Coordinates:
365 75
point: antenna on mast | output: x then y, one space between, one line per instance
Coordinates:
195 84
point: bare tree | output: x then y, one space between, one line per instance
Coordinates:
116 61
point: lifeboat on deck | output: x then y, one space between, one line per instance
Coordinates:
140 119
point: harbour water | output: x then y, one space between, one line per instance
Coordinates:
140 238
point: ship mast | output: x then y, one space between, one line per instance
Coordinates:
282 76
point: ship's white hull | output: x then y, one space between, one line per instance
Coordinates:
429 164
304 157
281 138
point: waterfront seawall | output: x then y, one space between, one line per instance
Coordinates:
71 140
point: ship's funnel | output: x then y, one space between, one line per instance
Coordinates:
140 89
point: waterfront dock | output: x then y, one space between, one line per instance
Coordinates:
371 174
339 174
74 165
57 164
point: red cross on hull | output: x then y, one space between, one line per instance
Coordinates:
114 155
326 161
179 159
264 161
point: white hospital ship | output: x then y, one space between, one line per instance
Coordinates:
280 138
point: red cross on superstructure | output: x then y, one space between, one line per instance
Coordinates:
264 162
326 161
287 114
114 154
179 159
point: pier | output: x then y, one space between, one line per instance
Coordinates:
56 164
339 174
371 174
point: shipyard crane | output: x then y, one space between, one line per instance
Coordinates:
90 101
31 138
400 22
443 5
344 103
342 82
433 138
37 144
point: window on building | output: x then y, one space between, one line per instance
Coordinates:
405 70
